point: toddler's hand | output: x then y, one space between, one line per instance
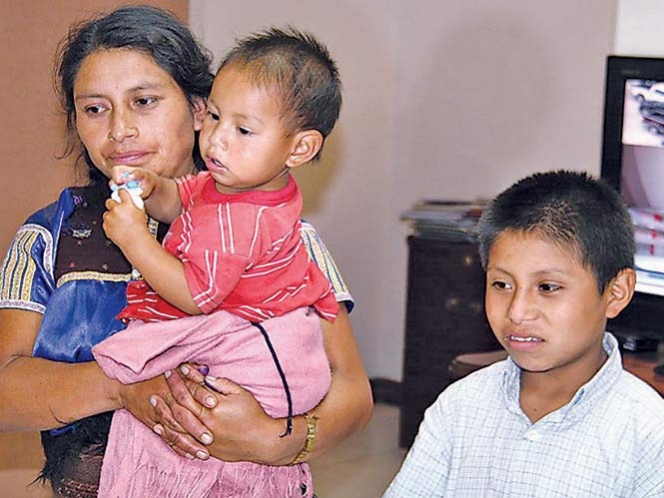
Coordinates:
124 222
134 190
134 178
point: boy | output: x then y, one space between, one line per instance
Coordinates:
559 417
233 258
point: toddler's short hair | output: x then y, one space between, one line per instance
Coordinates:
299 68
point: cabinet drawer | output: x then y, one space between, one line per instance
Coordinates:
444 318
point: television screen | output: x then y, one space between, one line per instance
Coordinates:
633 157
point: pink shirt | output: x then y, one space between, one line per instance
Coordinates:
241 252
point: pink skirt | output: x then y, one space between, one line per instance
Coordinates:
138 463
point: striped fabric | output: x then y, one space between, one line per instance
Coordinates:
27 273
322 257
30 251
241 253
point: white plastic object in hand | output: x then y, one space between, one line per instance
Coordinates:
134 189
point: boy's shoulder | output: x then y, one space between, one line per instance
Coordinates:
635 394
632 418
474 402
484 387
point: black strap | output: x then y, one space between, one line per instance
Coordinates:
289 424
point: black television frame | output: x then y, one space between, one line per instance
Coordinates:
640 323
619 69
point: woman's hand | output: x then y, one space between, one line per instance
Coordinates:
141 400
242 430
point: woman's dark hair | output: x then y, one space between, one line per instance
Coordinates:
150 30
568 208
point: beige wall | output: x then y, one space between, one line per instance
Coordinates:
31 127
446 99
443 99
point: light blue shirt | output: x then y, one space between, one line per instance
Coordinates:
475 441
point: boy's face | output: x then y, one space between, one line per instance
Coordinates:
544 307
244 141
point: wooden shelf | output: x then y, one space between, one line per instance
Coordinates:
444 318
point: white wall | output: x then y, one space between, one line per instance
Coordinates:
444 99
639 28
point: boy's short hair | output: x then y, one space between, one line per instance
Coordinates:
570 209
300 69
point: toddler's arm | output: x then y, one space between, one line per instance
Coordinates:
160 269
161 196
126 225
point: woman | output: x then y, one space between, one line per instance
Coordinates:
133 85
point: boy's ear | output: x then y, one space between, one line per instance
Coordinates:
620 291
306 145
198 108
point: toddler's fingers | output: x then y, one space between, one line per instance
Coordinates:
121 174
110 204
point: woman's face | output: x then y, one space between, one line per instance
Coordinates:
129 111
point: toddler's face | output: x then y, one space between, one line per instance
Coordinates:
244 141
544 307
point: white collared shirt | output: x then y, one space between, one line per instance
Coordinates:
475 440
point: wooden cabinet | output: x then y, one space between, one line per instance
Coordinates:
444 318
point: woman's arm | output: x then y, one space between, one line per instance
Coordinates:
41 394
243 431
37 394
348 405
